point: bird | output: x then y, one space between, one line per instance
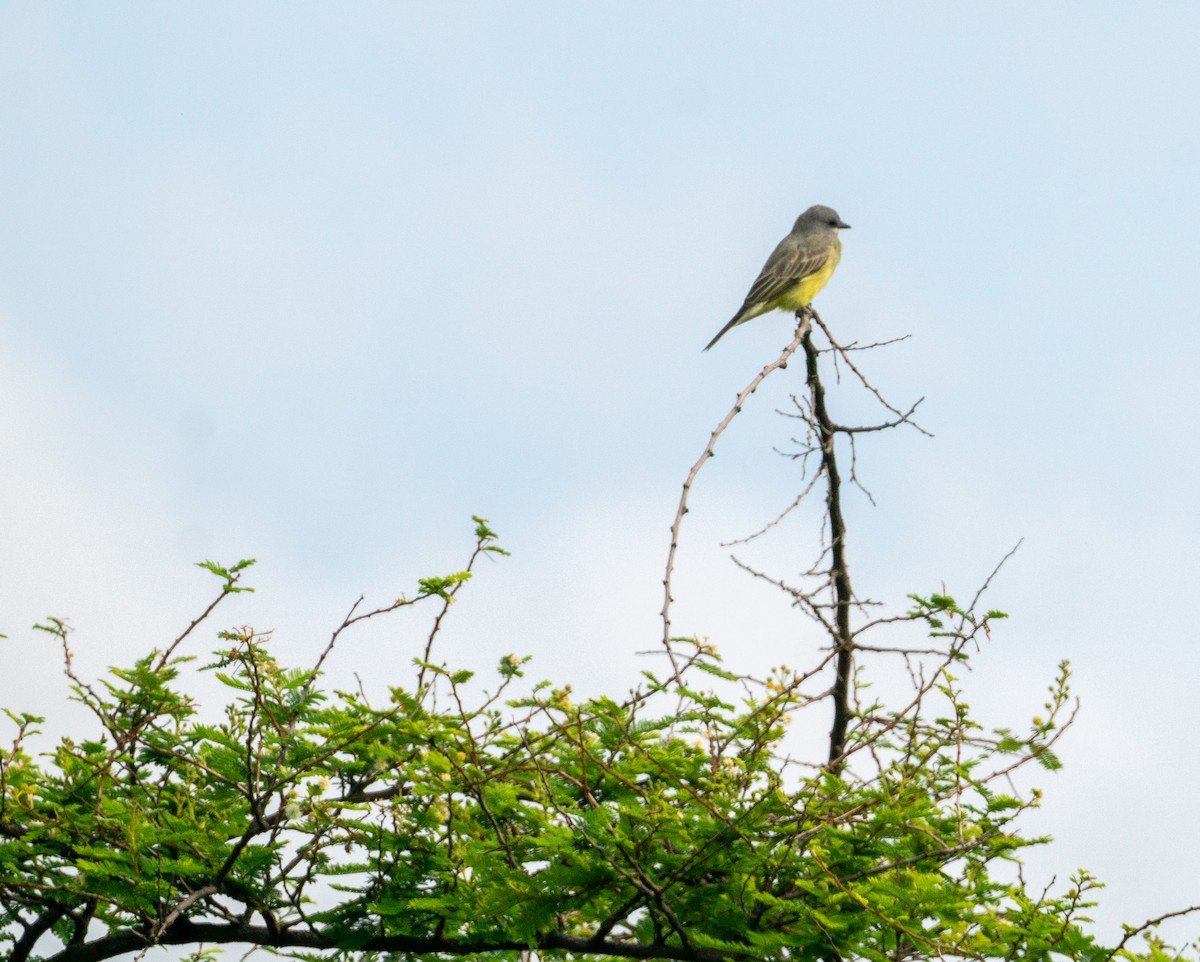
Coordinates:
797 269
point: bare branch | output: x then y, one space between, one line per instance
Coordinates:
1132 933
844 355
995 571
804 325
839 571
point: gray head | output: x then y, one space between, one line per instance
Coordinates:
819 218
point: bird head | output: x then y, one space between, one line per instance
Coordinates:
819 216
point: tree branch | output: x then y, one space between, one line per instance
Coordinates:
804 326
839 572
34 931
185 932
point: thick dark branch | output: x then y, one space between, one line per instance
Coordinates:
191 933
34 931
839 573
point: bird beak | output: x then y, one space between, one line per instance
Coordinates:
842 225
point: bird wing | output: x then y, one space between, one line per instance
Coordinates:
790 262
793 260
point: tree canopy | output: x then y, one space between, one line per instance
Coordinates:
497 817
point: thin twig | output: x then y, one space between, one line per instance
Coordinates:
995 571
842 352
1150 924
778 518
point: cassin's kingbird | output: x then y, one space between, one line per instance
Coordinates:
799 267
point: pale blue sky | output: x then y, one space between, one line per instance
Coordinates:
315 283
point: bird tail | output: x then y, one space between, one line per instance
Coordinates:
737 319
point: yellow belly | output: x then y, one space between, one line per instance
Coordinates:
801 295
